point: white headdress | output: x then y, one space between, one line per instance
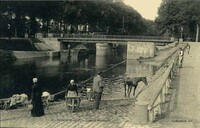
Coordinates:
71 81
35 80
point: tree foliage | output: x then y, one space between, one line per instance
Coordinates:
104 16
174 15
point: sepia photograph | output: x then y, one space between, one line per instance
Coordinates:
99 64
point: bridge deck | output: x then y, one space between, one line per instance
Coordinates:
110 40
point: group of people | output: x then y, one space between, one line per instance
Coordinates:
181 55
72 90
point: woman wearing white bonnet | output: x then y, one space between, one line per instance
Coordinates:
36 99
35 80
72 82
72 89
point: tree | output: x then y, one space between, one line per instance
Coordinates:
177 17
45 10
150 28
105 16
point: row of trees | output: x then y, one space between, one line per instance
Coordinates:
23 16
179 18
107 17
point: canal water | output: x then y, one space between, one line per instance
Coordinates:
54 74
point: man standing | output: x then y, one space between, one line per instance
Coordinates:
180 56
98 89
188 48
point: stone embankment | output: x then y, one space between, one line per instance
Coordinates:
21 48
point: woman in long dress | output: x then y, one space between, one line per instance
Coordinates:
72 91
38 109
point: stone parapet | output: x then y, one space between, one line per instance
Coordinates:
34 54
136 50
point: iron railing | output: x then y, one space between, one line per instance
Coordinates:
164 81
110 36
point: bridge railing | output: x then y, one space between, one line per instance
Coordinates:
111 36
159 97
159 87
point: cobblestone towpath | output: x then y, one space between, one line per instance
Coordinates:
115 112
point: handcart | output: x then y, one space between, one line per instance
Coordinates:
72 102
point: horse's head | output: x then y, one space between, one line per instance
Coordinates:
144 79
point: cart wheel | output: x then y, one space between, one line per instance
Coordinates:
6 105
73 109
46 106
66 103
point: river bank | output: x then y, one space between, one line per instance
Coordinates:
113 112
22 48
162 55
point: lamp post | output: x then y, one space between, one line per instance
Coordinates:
69 52
123 25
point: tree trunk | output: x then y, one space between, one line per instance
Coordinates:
33 26
17 24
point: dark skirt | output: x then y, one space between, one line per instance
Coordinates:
38 109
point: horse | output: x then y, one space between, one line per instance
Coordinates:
133 82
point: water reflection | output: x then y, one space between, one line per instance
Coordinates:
135 68
102 61
55 74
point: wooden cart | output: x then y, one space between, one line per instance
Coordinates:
45 102
72 103
89 93
4 103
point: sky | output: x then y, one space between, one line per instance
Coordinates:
147 8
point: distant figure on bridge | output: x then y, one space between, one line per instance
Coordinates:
98 89
180 57
9 31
